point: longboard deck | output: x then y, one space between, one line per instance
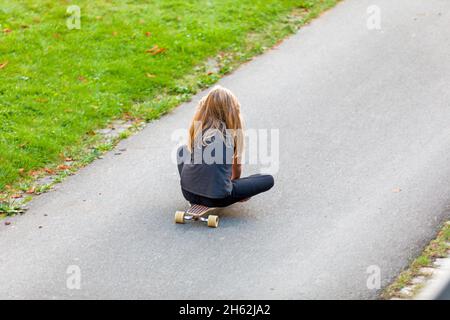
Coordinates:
198 210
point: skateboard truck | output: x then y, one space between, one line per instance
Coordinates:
195 213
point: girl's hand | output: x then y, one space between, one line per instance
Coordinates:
236 170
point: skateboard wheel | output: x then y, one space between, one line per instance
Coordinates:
179 217
213 221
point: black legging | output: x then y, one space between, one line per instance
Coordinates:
243 188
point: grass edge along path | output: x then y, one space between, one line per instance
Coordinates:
437 248
30 184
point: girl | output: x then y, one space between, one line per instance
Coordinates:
210 165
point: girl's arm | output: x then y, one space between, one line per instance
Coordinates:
236 169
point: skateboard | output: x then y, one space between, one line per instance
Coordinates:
196 213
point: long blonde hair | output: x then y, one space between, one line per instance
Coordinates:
218 111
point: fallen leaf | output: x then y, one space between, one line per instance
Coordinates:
149 75
7 223
21 170
277 44
82 79
34 172
49 171
16 196
68 159
31 190
63 167
155 50
148 34
41 100
7 30
127 116
2 65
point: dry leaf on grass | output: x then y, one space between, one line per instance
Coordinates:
49 171
155 50
35 172
3 64
31 190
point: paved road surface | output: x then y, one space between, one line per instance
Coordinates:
361 114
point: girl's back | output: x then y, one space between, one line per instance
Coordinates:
207 170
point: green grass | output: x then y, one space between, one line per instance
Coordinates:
59 85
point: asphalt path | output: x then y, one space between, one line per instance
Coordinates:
362 182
